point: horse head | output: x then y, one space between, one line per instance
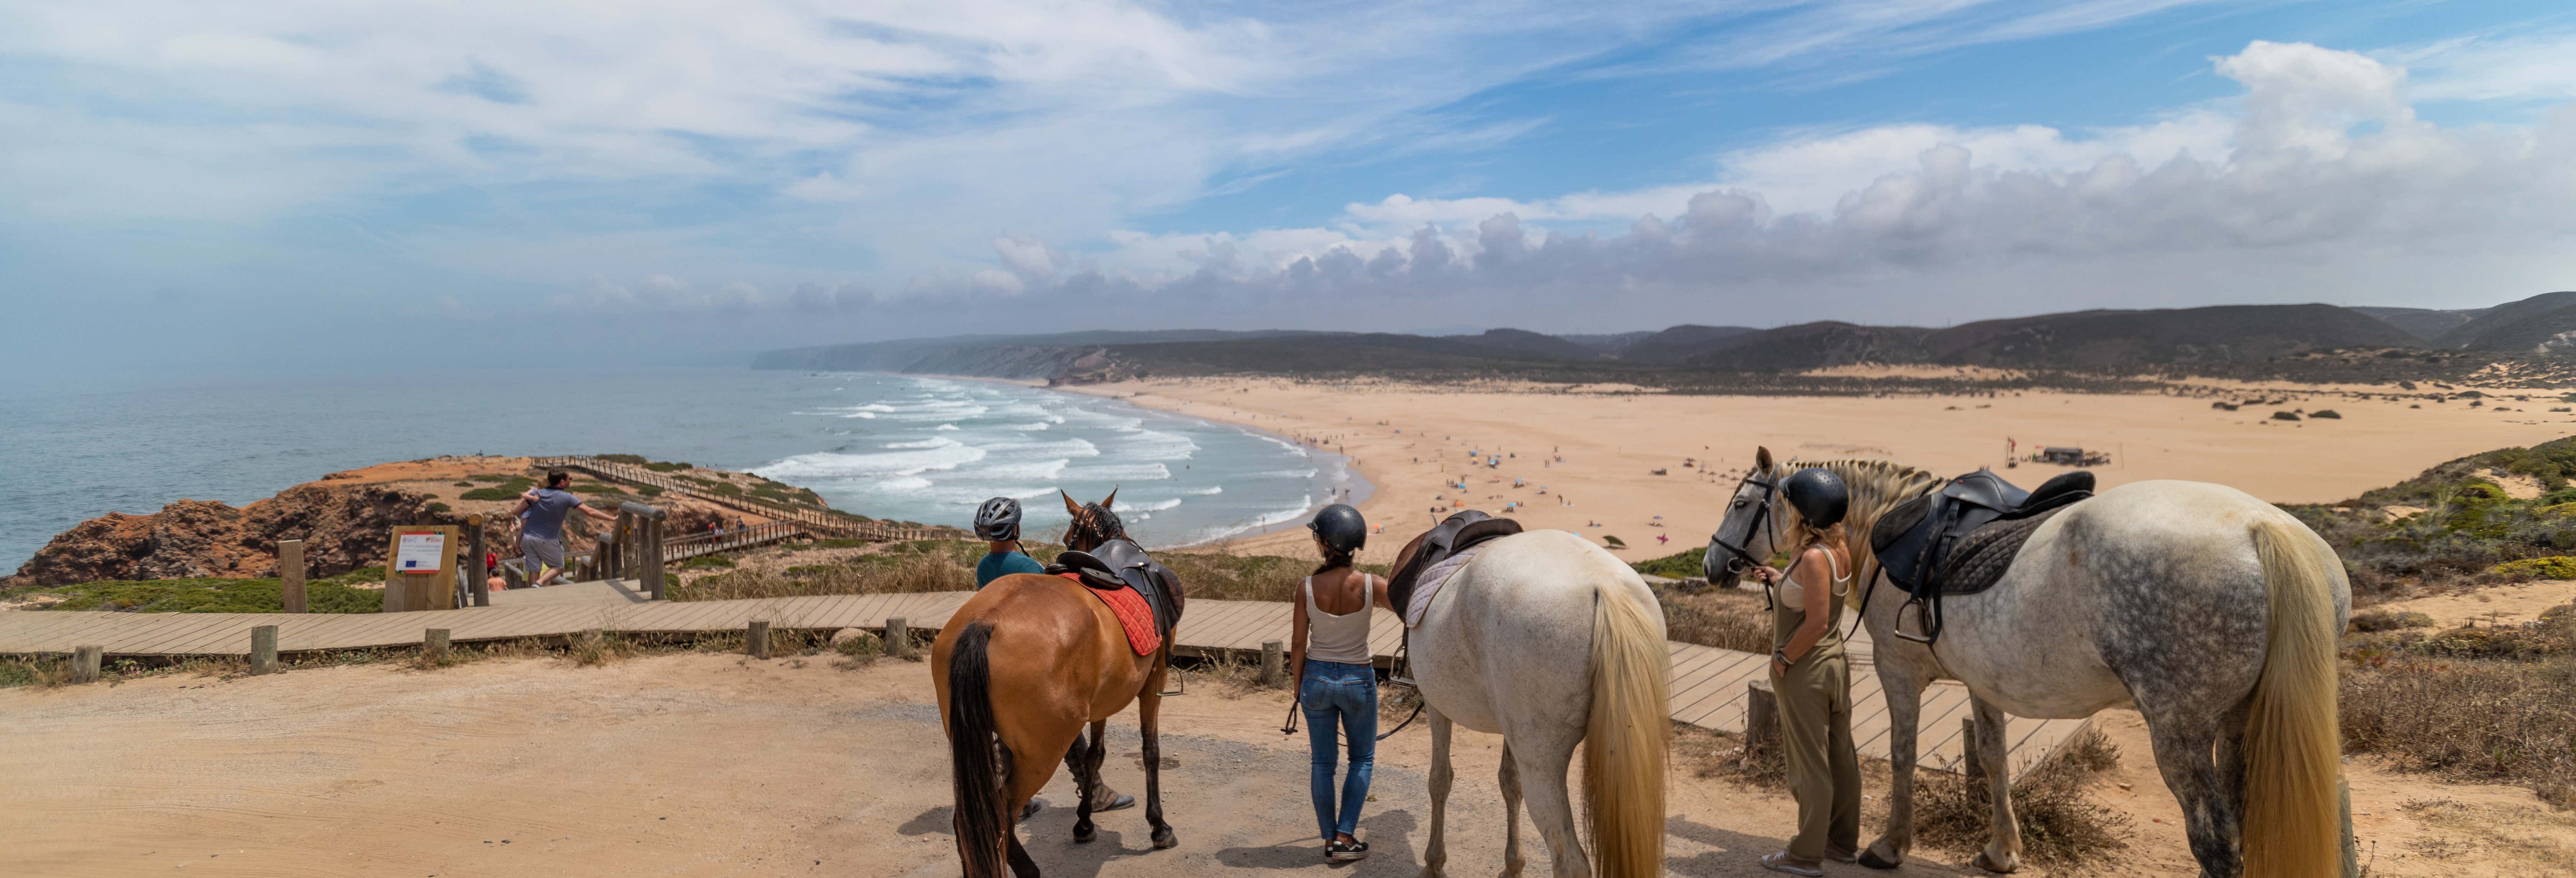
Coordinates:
1755 518
1093 523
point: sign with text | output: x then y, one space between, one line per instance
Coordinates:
420 568
420 552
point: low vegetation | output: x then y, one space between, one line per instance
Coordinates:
508 489
949 565
2456 524
336 594
2478 703
2062 824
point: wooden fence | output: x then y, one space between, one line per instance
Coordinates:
815 521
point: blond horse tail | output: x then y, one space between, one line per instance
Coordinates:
1623 749
2292 747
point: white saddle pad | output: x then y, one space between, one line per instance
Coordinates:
1429 583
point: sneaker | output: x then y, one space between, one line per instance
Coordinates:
1850 856
1346 850
1782 862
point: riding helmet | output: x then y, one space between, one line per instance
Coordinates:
1341 527
998 519
1819 495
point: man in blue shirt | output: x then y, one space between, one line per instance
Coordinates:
541 514
998 522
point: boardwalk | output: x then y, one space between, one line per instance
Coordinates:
1708 684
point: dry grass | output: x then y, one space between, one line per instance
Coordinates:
1723 618
2485 704
2062 825
2506 837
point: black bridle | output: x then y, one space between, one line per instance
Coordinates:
1740 559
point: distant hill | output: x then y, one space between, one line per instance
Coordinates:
2424 323
2504 327
1615 344
1682 342
2110 339
1526 343
994 356
1817 345
2548 332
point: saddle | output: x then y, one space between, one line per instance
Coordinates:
1120 564
1959 540
1457 533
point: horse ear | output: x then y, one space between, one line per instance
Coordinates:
1761 457
1106 502
1069 505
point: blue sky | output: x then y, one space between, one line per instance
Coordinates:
285 185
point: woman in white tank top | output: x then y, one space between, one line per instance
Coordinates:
1336 684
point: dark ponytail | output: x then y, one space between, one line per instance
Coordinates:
1333 559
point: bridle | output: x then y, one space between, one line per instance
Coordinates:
1742 560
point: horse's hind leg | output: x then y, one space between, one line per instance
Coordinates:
2183 742
1435 855
2003 847
1543 763
1149 707
1510 780
1086 777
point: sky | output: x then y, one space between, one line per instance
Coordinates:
317 185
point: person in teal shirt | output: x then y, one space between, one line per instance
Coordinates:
998 522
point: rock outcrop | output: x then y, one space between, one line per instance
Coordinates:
343 527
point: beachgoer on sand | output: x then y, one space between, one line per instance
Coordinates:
541 513
1812 678
1336 683
998 523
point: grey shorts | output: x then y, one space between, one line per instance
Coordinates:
538 552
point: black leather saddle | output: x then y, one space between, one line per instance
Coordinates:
1457 533
1120 564
1960 539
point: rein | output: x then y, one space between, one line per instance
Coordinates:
1761 521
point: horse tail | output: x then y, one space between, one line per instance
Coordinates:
1623 749
974 755
2293 750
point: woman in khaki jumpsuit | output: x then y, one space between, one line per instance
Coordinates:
1812 678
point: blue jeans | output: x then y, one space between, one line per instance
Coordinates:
1339 697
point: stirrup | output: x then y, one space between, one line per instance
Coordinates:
1400 671
1922 620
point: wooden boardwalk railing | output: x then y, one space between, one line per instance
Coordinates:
1707 684
814 521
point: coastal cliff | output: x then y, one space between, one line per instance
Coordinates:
344 520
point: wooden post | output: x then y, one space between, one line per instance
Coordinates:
1273 661
1761 714
290 574
263 649
654 573
758 640
898 638
85 661
433 643
2351 848
481 586
1973 758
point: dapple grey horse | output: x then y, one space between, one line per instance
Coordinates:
1553 643
2213 613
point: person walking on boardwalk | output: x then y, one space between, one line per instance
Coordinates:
1812 678
1336 684
998 523
541 513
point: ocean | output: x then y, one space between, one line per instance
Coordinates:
890 446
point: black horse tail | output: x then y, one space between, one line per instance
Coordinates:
975 755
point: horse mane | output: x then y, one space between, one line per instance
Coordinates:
1096 521
1876 487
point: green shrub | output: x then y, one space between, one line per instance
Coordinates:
488 477
628 459
436 508
2382 620
1684 565
666 467
648 490
506 490
214 595
707 562
2549 567
464 484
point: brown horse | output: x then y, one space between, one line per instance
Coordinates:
1020 669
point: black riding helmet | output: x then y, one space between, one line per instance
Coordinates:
1341 527
998 519
1819 495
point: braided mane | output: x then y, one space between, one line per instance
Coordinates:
1876 487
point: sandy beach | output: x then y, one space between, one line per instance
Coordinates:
1414 441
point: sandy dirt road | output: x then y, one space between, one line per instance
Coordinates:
712 765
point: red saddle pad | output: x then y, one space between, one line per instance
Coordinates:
1134 615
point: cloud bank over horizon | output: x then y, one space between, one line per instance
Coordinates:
785 175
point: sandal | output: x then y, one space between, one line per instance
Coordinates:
1346 850
1782 862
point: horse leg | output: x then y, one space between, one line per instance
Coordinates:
2003 847
1435 854
2231 777
1543 765
1149 707
2183 741
1509 778
1023 780
1904 716
1086 777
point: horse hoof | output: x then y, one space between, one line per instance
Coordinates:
1983 862
1164 838
1083 835
1874 861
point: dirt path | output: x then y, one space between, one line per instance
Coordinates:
711 765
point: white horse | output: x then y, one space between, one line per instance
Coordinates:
2211 612
1551 642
